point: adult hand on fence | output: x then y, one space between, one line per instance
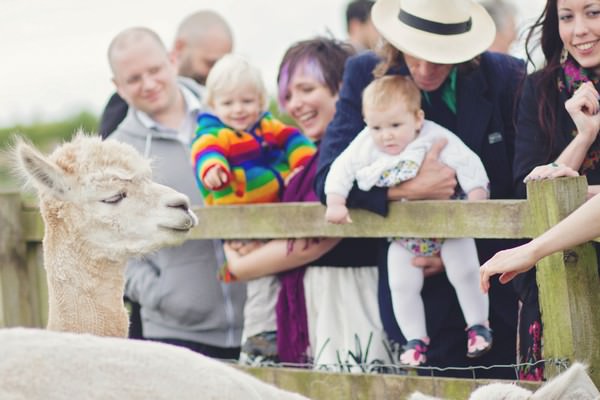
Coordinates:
509 263
435 180
550 171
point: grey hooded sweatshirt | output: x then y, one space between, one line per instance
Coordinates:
177 287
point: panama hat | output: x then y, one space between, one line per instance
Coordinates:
438 31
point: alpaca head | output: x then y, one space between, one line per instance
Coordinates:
101 194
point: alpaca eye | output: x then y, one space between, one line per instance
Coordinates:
115 199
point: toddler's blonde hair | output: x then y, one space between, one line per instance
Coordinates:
230 71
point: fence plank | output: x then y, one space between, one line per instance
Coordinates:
486 219
17 308
37 276
507 219
568 280
319 385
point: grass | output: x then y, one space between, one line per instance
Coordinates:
44 135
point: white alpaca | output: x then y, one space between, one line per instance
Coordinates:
100 207
37 364
573 384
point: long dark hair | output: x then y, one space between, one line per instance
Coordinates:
544 33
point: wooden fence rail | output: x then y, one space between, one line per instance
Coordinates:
568 281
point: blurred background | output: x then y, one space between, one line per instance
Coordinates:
54 76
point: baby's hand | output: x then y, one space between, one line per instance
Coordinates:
215 178
337 214
478 194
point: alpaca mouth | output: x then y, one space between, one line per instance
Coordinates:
176 228
190 221
185 227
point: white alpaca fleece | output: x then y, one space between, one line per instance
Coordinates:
39 364
573 384
421 396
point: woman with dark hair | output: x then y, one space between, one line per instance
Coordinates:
442 46
558 114
327 310
557 128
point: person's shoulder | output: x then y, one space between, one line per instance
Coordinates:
207 120
535 77
503 73
122 135
193 86
130 130
113 114
502 64
532 86
364 61
433 130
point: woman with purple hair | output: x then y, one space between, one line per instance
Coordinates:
327 311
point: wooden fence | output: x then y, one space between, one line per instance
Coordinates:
568 281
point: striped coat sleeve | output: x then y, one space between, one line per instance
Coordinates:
298 148
210 147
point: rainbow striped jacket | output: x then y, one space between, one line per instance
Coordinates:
257 161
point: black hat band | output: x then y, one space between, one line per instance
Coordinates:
434 27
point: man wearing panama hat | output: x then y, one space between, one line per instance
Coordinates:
441 44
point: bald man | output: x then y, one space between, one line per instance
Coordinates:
201 39
182 302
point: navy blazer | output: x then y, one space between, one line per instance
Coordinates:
485 121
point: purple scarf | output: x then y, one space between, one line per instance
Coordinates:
292 322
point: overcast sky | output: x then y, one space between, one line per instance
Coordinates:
54 51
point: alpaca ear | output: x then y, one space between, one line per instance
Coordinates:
45 175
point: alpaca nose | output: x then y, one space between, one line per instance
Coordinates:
180 201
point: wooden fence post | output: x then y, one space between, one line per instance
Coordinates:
568 281
16 308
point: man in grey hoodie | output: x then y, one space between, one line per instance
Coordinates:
182 301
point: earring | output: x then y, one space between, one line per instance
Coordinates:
563 55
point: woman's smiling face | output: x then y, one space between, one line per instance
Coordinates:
579 30
310 103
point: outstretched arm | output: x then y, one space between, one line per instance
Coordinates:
209 153
580 226
276 256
